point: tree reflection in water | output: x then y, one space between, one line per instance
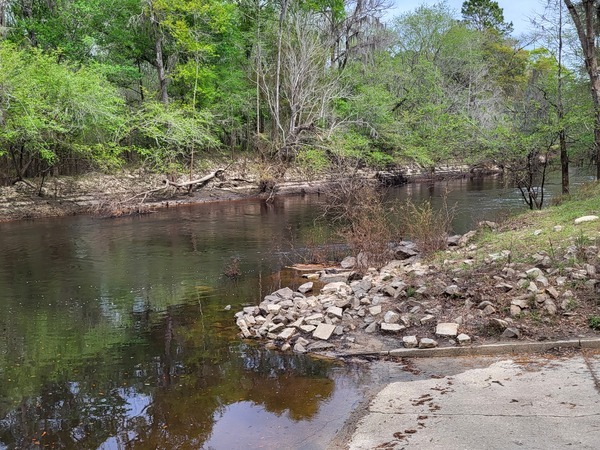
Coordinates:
165 388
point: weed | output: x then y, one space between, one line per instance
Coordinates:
410 291
429 228
594 322
232 268
363 220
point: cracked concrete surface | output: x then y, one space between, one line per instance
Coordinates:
526 402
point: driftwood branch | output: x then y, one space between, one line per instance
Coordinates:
198 183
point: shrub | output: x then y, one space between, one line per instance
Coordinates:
427 227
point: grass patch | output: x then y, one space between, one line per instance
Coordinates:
518 234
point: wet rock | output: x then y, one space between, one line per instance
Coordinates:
392 327
463 339
446 329
511 333
410 341
427 343
323 331
306 287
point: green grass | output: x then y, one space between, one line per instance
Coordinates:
517 233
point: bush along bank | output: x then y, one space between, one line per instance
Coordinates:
472 293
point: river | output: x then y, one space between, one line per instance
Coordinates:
119 333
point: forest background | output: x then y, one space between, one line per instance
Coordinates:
167 85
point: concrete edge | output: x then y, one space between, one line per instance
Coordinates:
482 350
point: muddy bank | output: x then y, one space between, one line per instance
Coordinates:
141 192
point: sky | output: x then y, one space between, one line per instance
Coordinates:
518 12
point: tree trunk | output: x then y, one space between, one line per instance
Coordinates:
562 135
585 24
159 62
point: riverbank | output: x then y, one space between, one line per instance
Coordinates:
533 278
132 192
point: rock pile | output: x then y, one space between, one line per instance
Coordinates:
415 305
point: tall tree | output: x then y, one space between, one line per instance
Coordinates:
585 18
485 15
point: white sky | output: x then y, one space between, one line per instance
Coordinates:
518 12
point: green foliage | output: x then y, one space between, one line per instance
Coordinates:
485 15
167 134
313 160
594 322
49 109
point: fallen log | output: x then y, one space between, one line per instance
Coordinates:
198 183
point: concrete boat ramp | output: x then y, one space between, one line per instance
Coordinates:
544 402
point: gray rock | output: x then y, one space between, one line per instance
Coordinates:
484 304
583 219
446 329
427 343
522 303
452 290
550 307
285 293
515 310
392 327
348 262
320 346
375 310
273 308
427 319
557 228
504 287
552 292
338 287
511 333
488 310
334 311
463 339
307 328
410 341
323 331
391 317
371 328
403 252
306 287
299 348
453 240
499 323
